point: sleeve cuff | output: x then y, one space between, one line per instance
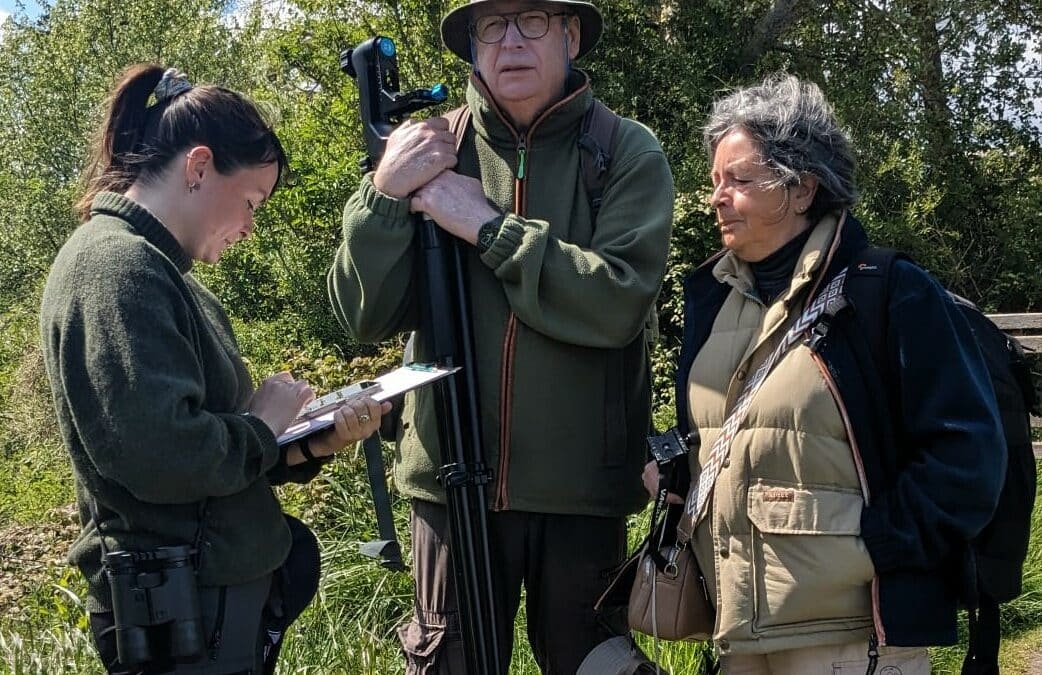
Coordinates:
882 547
507 241
298 473
382 204
269 445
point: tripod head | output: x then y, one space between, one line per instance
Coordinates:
374 65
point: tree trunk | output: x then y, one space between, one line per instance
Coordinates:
929 73
771 26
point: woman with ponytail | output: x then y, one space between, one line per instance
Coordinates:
191 565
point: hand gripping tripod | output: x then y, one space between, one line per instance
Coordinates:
446 326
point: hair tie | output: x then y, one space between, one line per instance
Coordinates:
173 83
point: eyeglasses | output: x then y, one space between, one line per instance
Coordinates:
532 24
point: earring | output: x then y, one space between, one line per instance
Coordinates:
192 187
801 211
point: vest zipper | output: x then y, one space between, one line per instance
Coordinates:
859 465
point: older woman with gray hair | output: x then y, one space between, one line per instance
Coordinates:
826 545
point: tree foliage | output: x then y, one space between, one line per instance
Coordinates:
54 73
941 97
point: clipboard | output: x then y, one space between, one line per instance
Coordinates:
318 414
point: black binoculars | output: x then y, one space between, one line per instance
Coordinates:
155 604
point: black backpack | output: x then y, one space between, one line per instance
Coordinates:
996 560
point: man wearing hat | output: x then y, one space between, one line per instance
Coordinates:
560 291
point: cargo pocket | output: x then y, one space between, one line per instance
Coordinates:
895 661
809 563
426 648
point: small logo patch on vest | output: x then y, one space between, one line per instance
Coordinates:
779 495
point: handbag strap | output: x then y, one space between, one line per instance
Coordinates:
830 300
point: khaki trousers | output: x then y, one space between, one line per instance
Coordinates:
848 659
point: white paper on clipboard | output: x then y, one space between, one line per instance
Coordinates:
398 381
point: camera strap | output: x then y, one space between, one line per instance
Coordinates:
92 506
197 540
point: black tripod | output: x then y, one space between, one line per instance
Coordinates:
446 325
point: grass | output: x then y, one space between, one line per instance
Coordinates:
350 628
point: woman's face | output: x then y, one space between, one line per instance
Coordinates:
225 205
754 222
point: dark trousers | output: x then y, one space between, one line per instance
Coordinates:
561 560
243 625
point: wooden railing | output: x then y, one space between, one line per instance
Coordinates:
1027 328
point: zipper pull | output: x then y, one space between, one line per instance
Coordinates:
522 152
215 644
873 654
672 570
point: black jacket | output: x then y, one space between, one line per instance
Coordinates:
934 475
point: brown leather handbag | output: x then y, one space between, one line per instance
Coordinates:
668 599
662 598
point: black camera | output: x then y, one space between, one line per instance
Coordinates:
670 450
155 604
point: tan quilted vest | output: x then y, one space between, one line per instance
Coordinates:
781 549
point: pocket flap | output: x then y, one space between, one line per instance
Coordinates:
780 508
421 641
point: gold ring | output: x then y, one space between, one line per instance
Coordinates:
363 418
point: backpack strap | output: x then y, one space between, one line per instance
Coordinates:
868 292
596 141
985 634
386 549
459 122
597 136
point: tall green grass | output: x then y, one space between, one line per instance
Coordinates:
350 628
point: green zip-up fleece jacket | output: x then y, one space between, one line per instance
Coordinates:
149 390
559 307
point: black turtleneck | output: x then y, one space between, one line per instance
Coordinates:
773 274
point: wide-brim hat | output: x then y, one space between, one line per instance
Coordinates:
455 27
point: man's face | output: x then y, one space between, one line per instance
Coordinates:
523 74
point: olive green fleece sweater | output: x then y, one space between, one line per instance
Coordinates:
559 308
149 390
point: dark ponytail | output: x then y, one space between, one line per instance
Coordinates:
139 138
